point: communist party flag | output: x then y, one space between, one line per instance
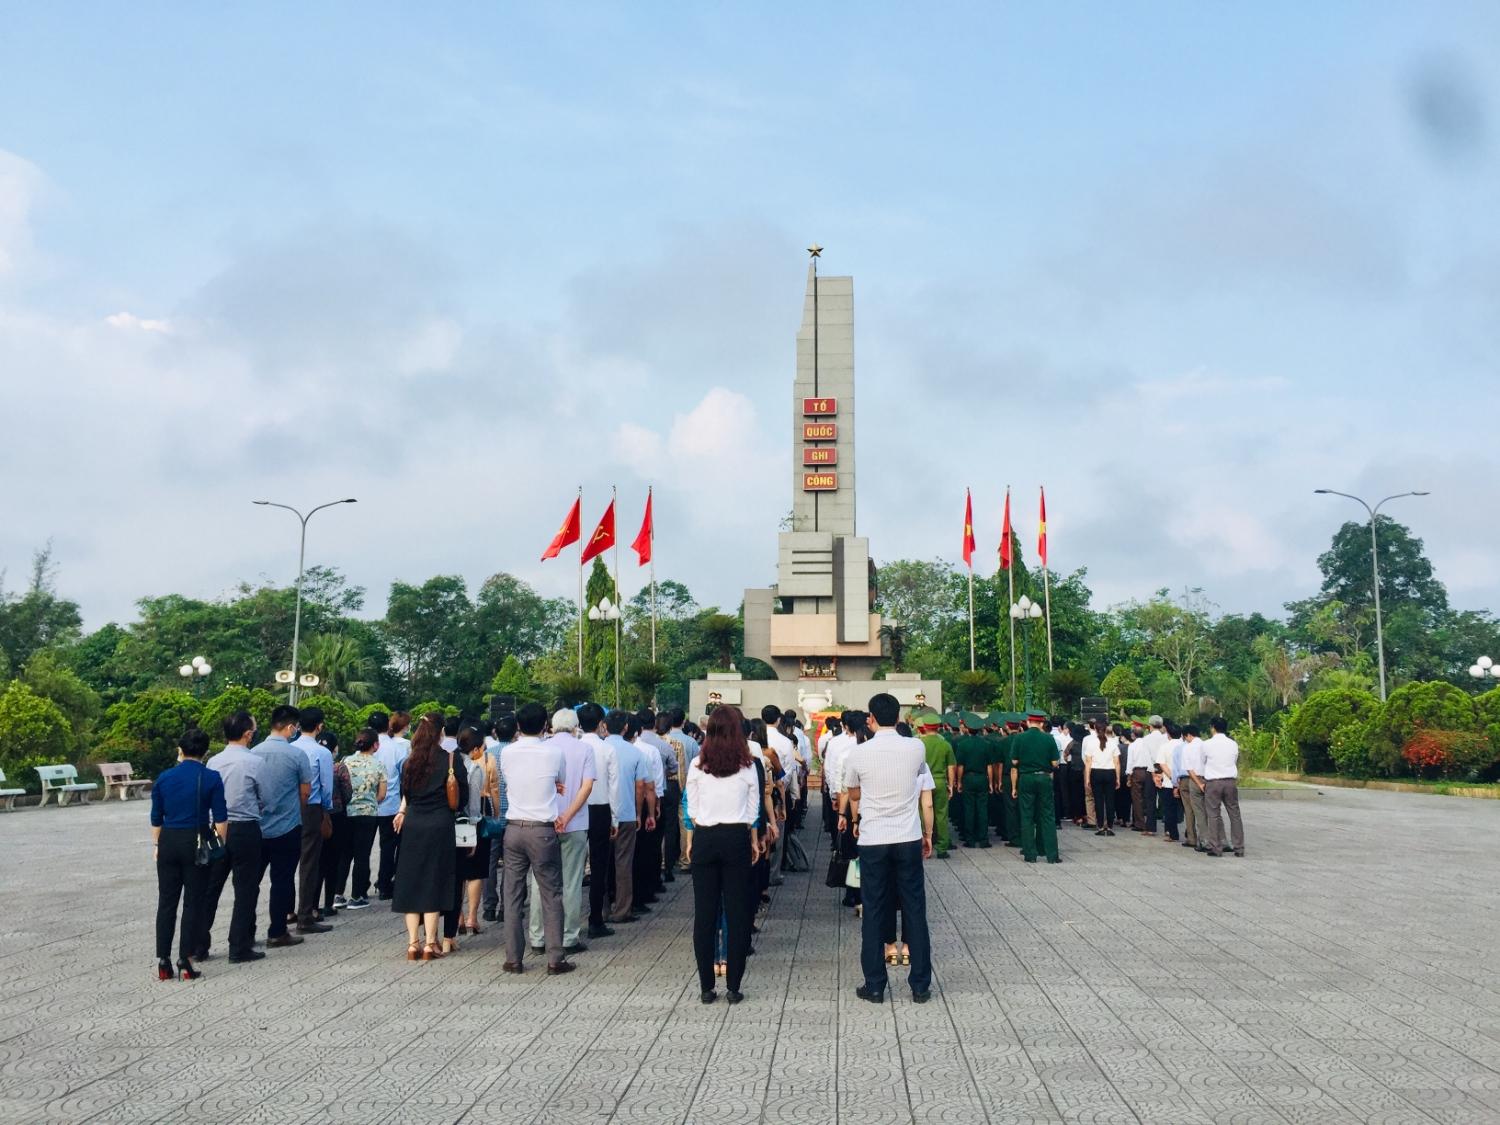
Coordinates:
1041 531
1005 536
604 535
569 532
642 544
968 530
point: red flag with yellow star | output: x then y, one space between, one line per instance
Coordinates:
1041 531
968 530
604 536
1005 535
643 541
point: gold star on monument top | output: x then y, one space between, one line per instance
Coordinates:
815 250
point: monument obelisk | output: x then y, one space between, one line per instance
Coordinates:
817 627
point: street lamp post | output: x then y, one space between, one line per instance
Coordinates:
1375 567
301 560
608 611
197 671
1026 611
1484 668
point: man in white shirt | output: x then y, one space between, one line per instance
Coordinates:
578 784
1139 765
534 779
1166 787
1221 771
1190 791
685 747
648 849
601 817
883 783
804 767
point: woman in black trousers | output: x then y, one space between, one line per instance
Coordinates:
187 801
723 796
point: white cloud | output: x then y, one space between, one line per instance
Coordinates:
20 185
129 322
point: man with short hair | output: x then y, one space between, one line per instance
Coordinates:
240 770
1140 764
534 777
286 781
944 766
1166 787
1189 774
572 830
632 784
833 769
648 845
391 754
972 755
1033 758
678 836
317 821
504 729
883 783
601 816
1221 771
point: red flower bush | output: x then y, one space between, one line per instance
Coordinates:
1448 753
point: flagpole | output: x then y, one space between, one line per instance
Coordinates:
969 507
580 581
613 496
1046 581
1010 573
651 542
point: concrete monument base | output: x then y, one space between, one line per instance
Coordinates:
808 697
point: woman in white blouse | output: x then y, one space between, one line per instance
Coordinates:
722 797
1101 775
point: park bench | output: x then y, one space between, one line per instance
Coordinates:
63 780
9 795
119 775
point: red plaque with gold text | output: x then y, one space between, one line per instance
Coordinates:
820 431
820 455
820 407
820 482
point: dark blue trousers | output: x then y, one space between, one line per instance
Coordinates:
886 872
280 854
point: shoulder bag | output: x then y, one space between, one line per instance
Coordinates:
451 783
491 827
210 847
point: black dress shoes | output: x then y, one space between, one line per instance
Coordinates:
866 994
560 968
246 958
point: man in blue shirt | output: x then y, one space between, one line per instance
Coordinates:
286 781
392 755
317 821
505 734
630 790
241 860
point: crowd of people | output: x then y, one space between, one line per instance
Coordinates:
509 822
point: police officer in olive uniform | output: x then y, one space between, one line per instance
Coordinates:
943 764
1033 757
973 755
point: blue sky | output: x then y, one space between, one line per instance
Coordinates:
1180 263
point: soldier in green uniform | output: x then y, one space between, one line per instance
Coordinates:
1033 756
944 767
994 737
973 755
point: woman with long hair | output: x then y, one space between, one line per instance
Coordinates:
484 790
724 797
426 871
1072 774
1101 773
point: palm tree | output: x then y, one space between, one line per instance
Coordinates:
1284 673
721 631
893 633
338 661
977 689
645 677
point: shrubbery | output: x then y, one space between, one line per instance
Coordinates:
33 732
1312 724
1448 753
144 731
1350 749
1432 706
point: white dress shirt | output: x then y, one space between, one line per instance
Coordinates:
1221 758
1143 751
1164 760
1192 756
721 800
532 770
833 761
887 769
606 773
1098 757
655 772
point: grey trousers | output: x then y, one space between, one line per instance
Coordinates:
624 870
310 869
1194 816
1223 791
575 849
533 849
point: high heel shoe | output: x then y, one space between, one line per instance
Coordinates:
185 971
164 970
463 928
432 952
414 951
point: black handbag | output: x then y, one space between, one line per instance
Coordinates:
838 871
490 827
210 847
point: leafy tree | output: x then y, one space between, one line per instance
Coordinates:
1066 686
339 716
722 632
977 689
144 731
513 679
1312 724
426 707
644 678
572 689
1349 747
46 675
1433 706
917 595
258 701
362 716
33 732
1177 632
1121 683
37 618
344 667
427 627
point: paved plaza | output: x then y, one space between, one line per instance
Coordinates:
1345 971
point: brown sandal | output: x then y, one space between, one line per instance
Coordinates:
414 951
432 952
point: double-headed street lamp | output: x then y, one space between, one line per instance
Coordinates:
1375 565
197 671
301 560
1026 611
606 610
